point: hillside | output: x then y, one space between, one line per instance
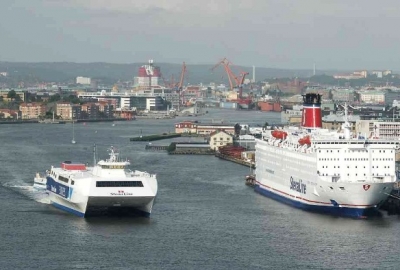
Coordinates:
66 72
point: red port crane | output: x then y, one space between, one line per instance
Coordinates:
226 63
183 72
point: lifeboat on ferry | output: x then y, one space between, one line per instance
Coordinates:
279 134
305 140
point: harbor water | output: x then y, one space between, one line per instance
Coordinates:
205 217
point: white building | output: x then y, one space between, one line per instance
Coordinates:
372 97
374 128
83 80
220 138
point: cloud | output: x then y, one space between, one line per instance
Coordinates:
277 33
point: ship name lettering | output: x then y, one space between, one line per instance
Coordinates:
53 189
62 191
298 185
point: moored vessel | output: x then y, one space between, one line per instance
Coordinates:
107 186
333 172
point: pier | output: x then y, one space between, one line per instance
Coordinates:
156 147
155 137
236 160
392 203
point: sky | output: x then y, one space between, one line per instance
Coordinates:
292 34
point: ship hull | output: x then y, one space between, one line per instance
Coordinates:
101 200
324 208
100 205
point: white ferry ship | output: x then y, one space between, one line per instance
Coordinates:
108 185
332 172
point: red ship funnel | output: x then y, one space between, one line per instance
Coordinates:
311 117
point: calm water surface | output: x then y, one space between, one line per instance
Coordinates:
205 217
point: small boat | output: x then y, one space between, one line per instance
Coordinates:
279 134
305 140
39 182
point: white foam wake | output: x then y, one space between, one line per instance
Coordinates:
38 195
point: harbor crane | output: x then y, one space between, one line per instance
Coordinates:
238 80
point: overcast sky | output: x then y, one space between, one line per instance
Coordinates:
333 34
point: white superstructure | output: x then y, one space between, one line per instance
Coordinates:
315 169
109 185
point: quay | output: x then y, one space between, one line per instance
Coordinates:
156 147
192 152
236 160
392 203
155 137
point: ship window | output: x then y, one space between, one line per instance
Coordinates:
119 184
72 182
331 188
63 179
342 188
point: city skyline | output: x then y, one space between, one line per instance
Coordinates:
287 34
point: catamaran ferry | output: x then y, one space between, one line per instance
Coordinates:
108 185
316 169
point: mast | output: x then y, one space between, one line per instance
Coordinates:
346 124
94 155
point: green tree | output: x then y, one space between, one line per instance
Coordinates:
55 98
12 94
237 129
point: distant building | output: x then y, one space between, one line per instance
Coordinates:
90 110
334 121
11 114
377 97
378 73
380 129
186 127
351 76
21 94
207 129
220 138
68 111
83 80
343 95
32 110
148 75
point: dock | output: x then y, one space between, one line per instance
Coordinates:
156 147
392 203
236 160
155 137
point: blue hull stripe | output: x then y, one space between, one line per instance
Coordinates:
69 210
330 210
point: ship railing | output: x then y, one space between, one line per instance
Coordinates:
140 174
